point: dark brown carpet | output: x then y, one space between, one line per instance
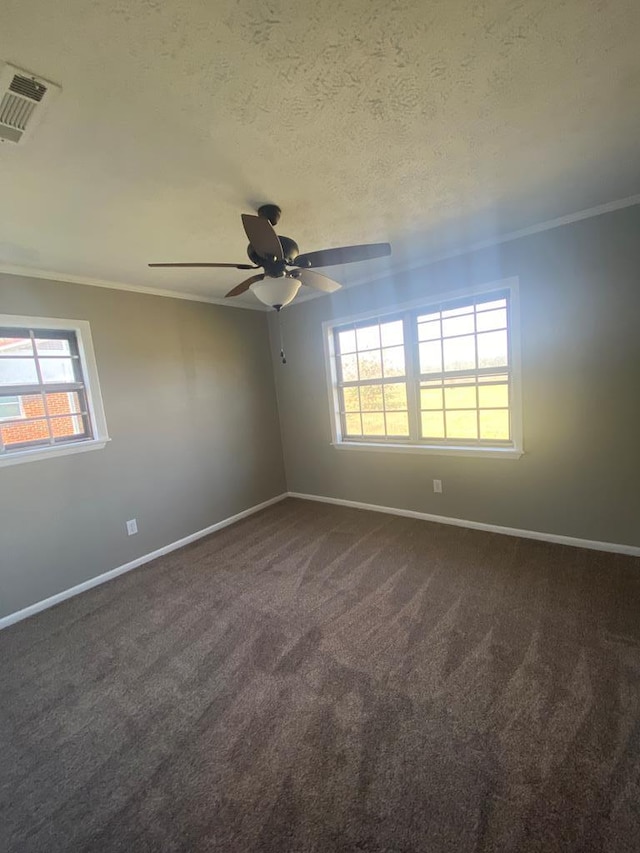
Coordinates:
325 679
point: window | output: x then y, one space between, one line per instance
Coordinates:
10 407
441 377
49 395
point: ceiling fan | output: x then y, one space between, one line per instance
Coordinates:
285 269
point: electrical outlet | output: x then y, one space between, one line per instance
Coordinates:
437 486
132 527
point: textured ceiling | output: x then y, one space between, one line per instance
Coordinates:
429 124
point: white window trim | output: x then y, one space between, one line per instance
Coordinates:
515 451
95 405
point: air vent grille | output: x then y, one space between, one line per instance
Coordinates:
15 112
28 87
23 100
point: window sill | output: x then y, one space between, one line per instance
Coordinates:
432 449
36 453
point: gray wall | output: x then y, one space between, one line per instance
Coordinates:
190 406
580 298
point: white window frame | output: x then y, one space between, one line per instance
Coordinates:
95 407
514 450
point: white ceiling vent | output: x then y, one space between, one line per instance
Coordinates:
23 100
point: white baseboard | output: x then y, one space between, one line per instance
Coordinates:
32 609
19 615
613 547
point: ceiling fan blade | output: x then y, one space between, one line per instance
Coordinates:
244 285
316 280
262 236
233 266
343 255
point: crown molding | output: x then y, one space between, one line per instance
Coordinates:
52 275
548 225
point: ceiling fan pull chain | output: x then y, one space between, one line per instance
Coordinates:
283 357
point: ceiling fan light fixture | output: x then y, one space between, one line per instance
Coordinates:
276 292
277 286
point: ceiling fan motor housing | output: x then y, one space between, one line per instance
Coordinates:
278 285
290 251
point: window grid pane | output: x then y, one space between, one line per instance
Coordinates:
10 407
460 405
54 408
462 375
382 409
372 380
449 407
